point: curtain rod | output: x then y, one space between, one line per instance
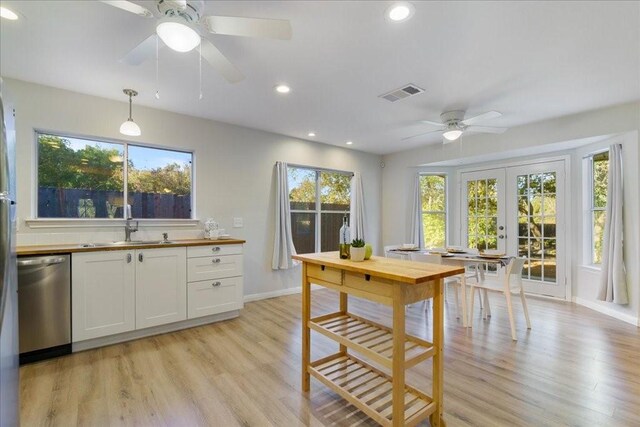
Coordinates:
320 169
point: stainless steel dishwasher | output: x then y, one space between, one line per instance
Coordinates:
44 306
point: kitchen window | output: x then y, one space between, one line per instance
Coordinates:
89 178
433 190
319 199
599 173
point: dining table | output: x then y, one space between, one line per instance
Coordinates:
463 259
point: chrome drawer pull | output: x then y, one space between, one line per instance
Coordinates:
128 258
216 260
215 249
215 284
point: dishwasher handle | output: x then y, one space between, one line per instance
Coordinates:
41 261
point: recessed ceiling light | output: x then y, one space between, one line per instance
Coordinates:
349 142
282 89
400 11
311 134
8 14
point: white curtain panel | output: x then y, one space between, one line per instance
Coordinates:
283 247
613 284
417 234
356 208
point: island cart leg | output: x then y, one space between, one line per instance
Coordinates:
438 357
344 306
398 356
306 333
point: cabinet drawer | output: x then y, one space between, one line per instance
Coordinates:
327 274
203 251
375 285
214 296
213 267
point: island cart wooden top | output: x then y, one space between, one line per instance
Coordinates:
410 272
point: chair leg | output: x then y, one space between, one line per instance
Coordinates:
457 303
487 305
507 294
525 308
470 312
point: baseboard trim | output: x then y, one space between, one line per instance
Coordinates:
594 305
155 330
278 293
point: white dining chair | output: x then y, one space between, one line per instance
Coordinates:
476 272
388 253
448 281
512 284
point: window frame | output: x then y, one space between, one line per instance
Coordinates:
446 205
318 211
591 208
55 221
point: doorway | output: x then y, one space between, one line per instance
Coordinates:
520 210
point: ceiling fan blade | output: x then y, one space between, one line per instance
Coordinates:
142 52
428 122
481 117
182 4
219 62
249 27
421 134
130 7
485 129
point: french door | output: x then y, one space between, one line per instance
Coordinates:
520 210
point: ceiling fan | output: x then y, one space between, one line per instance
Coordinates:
182 27
453 125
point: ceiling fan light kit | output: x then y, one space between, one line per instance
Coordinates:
183 26
129 127
453 125
179 36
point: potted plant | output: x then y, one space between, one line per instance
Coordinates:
357 250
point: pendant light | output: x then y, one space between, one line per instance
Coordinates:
129 127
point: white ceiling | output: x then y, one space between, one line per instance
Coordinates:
529 60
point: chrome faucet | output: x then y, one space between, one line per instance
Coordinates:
128 229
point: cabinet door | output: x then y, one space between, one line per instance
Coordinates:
161 286
102 294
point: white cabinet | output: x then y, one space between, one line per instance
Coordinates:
103 294
215 279
161 286
129 290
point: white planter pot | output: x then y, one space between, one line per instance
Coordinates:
357 254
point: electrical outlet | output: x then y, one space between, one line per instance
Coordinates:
237 222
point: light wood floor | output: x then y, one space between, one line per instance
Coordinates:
575 367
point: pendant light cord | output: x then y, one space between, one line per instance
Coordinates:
157 67
200 67
130 118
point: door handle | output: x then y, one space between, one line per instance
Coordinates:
32 262
140 257
128 258
216 260
501 236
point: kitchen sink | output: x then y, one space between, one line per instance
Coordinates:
123 243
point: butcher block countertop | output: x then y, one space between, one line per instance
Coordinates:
411 272
80 247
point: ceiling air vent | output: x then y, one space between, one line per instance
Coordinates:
402 93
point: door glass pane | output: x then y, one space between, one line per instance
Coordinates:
302 189
303 230
537 231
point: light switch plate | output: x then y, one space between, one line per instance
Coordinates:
237 222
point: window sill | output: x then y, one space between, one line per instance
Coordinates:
591 267
107 222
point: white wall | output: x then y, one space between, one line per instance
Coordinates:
233 172
397 182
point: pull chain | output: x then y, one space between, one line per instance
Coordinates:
157 67
200 67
